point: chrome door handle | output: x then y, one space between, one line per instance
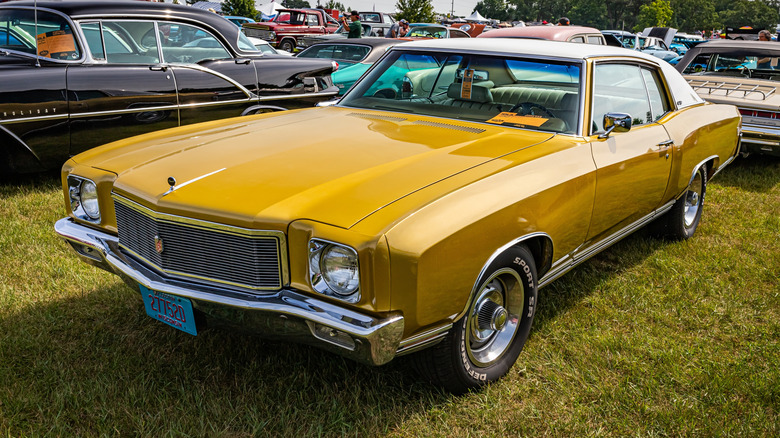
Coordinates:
665 144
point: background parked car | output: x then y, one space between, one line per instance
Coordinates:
648 44
340 34
354 57
426 30
380 22
573 34
265 47
109 70
745 74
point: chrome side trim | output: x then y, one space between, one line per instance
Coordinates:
33 119
249 94
287 315
701 163
423 340
156 108
19 140
298 96
570 261
490 260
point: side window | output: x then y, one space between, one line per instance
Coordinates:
594 39
458 34
20 31
659 104
122 42
388 19
183 43
619 88
577 39
698 64
312 20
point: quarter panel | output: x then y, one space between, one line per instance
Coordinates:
699 132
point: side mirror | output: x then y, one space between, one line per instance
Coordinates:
407 89
618 122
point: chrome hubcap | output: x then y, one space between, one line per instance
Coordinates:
693 200
493 318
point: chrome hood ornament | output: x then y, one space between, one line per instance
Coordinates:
172 181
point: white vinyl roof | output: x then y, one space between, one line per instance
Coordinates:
522 46
683 93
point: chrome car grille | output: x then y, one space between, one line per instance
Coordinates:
203 251
257 33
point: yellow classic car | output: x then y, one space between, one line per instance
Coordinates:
419 214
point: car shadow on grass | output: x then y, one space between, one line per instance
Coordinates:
754 173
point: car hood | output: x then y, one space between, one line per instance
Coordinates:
333 165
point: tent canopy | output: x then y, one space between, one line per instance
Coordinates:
475 16
268 10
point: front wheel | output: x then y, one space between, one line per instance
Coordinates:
287 45
682 220
486 341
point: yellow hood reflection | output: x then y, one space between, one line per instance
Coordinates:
332 165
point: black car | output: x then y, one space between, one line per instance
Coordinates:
77 74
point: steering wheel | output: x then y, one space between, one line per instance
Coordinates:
527 109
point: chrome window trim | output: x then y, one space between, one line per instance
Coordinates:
76 31
281 238
165 17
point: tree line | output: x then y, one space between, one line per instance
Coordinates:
684 15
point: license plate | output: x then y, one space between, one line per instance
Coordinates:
170 309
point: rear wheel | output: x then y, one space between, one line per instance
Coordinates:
682 220
485 343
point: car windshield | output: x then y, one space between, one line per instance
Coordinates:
427 32
746 62
516 92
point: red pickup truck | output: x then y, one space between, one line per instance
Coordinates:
291 24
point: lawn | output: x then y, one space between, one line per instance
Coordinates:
649 338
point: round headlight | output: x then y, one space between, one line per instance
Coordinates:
339 268
89 199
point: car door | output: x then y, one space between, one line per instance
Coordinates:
211 82
123 90
33 103
632 167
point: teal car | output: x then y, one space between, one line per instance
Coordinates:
354 57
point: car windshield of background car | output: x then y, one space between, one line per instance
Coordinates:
739 62
473 88
54 34
345 54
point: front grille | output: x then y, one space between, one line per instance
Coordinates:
200 250
257 33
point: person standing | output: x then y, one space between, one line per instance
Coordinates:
398 29
563 21
354 26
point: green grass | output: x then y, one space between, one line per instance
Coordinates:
650 338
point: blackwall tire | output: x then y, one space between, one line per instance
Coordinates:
484 344
287 46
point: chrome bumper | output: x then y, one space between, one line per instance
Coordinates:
759 139
286 314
